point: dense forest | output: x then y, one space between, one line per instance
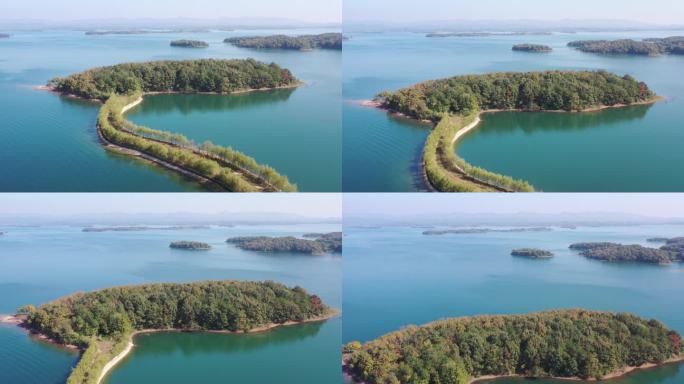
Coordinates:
302 43
189 76
672 251
532 253
564 343
532 48
208 305
648 47
189 44
324 243
190 245
550 90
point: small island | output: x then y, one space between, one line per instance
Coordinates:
657 239
190 245
536 48
189 44
103 323
301 43
469 231
613 252
122 87
325 243
673 45
575 344
532 253
455 104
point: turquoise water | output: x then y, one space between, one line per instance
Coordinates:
41 264
425 278
50 144
632 149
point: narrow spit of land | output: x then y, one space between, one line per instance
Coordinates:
122 87
455 106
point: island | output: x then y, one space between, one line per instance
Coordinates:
657 239
122 87
103 323
537 48
613 252
301 43
574 344
673 45
325 243
4 36
468 231
189 44
455 104
190 245
532 253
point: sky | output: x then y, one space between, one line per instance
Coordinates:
667 205
653 11
321 11
317 205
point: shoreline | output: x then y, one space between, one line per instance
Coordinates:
111 364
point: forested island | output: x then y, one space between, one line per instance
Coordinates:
102 323
575 343
673 45
532 253
455 105
301 43
672 251
189 44
537 48
190 245
122 86
324 243
468 231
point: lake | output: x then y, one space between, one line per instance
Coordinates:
630 149
50 143
40 264
425 278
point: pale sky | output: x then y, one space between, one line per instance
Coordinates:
320 11
653 11
322 205
665 205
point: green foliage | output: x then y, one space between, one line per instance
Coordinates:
533 253
329 242
94 359
304 42
673 250
190 245
210 305
564 343
190 76
189 44
532 48
537 91
648 47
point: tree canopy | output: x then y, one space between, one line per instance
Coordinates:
189 44
563 343
324 243
208 305
532 48
303 42
648 47
188 76
672 251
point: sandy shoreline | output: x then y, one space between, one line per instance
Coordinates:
11 319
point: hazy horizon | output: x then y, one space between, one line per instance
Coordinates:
665 12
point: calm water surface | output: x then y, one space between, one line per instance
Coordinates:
50 144
425 278
632 149
44 263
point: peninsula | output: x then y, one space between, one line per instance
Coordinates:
672 251
574 344
189 44
455 105
122 86
536 48
190 245
673 45
532 253
325 243
301 43
102 323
